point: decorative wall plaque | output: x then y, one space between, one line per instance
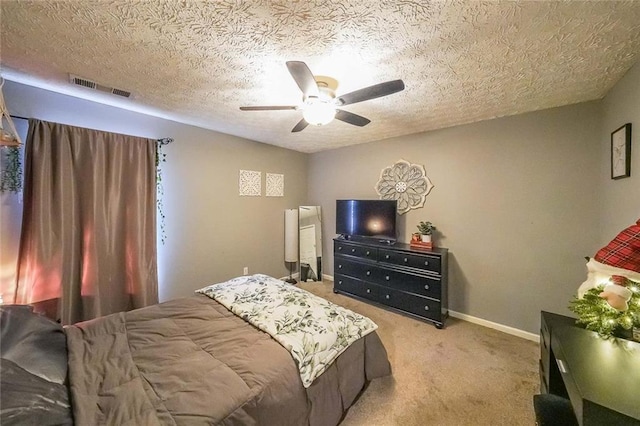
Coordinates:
405 182
275 185
250 183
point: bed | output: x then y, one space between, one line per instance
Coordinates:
189 361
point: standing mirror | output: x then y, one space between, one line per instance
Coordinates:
310 237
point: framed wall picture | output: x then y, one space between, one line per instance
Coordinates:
621 152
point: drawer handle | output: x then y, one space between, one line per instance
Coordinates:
353 250
387 278
386 257
406 260
339 266
368 273
426 308
368 290
340 282
426 263
387 296
426 286
368 252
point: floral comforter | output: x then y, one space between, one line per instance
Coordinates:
314 330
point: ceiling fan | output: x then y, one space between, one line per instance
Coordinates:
319 102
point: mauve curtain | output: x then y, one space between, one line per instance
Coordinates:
88 236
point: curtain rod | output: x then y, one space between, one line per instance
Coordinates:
162 141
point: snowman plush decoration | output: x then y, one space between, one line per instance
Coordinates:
615 266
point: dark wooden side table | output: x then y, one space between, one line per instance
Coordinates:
600 376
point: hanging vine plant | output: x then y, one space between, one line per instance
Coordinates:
11 178
161 157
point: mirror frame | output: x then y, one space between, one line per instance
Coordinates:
310 267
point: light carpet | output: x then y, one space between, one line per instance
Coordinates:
464 374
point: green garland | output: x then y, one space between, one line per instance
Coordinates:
161 157
595 314
11 178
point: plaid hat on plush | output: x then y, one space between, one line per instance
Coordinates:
624 251
614 264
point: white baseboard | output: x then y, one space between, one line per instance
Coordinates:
485 323
500 327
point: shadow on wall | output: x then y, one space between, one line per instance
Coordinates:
458 286
401 228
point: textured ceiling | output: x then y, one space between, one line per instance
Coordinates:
197 62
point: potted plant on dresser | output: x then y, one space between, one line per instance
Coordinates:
426 230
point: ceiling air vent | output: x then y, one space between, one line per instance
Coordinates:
80 81
120 92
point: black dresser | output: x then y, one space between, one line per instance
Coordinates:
600 377
411 281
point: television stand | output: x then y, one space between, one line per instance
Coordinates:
398 277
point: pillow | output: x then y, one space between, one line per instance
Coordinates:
33 342
33 369
27 399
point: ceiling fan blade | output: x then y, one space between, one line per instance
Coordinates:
267 108
351 118
371 92
303 77
300 126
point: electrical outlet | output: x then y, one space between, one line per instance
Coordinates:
245 271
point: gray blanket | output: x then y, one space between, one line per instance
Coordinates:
191 361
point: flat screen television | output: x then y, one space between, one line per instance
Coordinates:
366 218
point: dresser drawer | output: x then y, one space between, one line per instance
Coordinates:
417 305
355 286
419 261
356 269
355 250
424 286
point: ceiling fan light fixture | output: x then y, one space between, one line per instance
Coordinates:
318 112
319 103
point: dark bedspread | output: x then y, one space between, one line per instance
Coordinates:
191 361
33 369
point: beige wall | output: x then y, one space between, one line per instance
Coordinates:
515 201
212 233
619 205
